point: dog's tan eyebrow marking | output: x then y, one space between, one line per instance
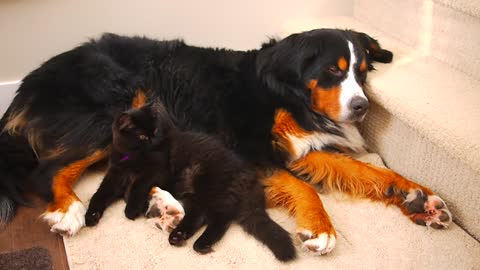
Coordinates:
312 84
139 99
363 66
342 63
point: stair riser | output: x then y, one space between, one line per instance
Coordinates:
430 27
425 163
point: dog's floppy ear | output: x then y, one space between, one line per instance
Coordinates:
373 51
281 63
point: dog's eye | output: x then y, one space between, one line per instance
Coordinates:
142 137
335 71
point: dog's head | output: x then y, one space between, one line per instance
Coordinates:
325 68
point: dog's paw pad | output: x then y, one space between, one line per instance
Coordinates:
320 244
427 210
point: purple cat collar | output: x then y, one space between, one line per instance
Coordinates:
124 158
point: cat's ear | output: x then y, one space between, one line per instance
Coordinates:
125 121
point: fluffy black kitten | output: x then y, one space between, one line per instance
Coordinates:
133 165
215 186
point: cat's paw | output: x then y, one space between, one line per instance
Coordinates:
202 247
177 238
132 212
165 208
92 217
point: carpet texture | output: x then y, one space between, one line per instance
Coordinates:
35 258
370 236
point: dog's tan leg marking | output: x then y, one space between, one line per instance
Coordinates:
302 201
342 173
66 214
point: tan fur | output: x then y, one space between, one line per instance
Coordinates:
16 126
325 101
63 195
284 125
302 201
16 122
342 173
54 153
139 99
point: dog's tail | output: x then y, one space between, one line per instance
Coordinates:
265 230
17 160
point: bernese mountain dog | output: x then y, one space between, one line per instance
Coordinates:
289 108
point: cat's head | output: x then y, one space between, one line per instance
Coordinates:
135 129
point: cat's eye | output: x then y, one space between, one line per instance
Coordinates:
142 137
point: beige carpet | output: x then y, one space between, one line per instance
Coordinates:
370 236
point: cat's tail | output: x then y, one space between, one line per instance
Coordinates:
265 230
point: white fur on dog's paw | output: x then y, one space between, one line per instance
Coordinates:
68 223
166 209
323 244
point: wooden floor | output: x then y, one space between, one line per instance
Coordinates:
27 230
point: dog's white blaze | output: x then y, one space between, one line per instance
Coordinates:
318 140
350 87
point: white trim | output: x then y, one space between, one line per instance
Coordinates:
7 92
9 83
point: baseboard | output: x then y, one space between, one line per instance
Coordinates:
7 92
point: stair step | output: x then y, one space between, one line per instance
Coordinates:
449 33
471 7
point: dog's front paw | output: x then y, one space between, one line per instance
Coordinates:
427 210
317 244
166 209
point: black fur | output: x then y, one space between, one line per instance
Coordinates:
17 160
70 101
215 185
134 166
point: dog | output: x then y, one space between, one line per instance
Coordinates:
289 108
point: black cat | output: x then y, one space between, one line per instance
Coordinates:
215 186
133 165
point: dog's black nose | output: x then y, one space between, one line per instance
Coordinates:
359 105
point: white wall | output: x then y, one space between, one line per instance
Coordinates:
7 92
31 31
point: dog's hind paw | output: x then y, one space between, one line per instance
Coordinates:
68 223
427 210
166 209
